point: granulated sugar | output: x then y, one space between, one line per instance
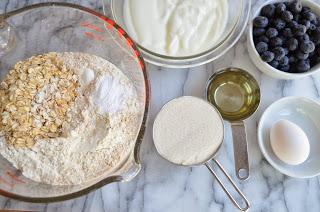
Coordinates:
188 131
106 121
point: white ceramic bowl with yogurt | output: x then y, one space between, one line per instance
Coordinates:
306 114
221 23
265 67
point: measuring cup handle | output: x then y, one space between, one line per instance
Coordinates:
247 204
240 150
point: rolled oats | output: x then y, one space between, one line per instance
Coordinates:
35 97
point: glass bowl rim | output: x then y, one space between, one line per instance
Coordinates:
140 135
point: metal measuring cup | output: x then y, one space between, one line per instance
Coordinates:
206 162
236 94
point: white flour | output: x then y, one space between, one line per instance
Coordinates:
106 121
187 131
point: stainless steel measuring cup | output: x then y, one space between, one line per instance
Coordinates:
157 129
236 94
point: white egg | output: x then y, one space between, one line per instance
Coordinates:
289 142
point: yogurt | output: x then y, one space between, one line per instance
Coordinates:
176 27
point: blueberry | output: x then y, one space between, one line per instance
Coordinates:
280 7
287 3
268 10
262 38
284 68
274 63
303 38
317 30
318 21
303 66
287 32
295 7
267 56
316 40
258 31
261 47
315 36
315 21
305 9
312 27
292 44
282 38
260 21
300 30
284 61
276 41
307 47
306 23
271 32
286 16
309 16
314 60
293 24
279 53
292 59
311 54
297 17
318 51
279 24
301 55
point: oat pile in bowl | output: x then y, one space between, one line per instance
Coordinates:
67 118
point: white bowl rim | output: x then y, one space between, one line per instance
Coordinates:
260 140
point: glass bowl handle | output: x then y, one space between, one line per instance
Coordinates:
130 169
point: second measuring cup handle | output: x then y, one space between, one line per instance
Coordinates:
233 200
240 150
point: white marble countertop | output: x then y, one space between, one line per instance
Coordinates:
161 186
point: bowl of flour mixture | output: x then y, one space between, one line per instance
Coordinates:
74 103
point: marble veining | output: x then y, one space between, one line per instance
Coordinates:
161 186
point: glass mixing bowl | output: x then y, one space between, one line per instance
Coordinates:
238 15
63 27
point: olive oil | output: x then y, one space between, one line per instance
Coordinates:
235 93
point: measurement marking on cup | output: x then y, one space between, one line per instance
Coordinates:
91 26
93 36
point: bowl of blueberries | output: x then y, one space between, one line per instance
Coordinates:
284 38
